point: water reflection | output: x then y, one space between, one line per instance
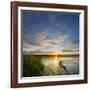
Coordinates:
60 65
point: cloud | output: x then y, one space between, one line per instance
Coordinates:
39 38
34 41
75 42
36 38
62 38
52 41
43 42
57 39
28 47
73 45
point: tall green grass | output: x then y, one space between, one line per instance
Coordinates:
32 65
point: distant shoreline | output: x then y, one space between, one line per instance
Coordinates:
53 53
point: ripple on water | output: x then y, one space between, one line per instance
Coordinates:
52 67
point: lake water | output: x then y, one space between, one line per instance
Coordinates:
61 65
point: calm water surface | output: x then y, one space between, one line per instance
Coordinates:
61 65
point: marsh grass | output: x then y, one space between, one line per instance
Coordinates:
32 65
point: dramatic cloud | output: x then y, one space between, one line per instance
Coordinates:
49 31
41 41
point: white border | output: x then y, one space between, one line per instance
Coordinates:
52 78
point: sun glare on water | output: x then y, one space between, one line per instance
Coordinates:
56 56
55 61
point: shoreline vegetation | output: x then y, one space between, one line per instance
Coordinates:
46 64
53 53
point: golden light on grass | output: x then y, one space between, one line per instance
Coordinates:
55 59
55 62
56 55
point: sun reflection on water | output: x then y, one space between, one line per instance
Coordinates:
53 66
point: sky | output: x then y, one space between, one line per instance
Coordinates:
48 31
